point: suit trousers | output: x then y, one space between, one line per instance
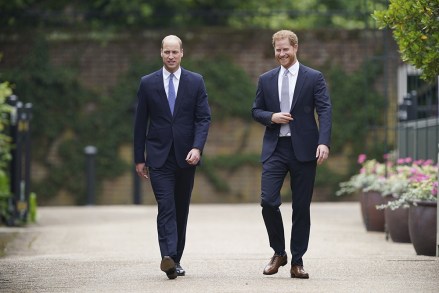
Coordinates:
172 187
302 177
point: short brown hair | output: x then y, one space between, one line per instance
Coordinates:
285 34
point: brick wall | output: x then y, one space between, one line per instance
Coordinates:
102 62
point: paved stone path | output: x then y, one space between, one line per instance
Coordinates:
114 249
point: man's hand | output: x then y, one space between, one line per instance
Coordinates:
142 170
193 157
281 118
322 153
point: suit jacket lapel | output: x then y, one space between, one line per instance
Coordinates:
160 85
275 97
301 77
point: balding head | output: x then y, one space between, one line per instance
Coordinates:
171 39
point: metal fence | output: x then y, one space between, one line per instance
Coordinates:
418 127
419 139
19 131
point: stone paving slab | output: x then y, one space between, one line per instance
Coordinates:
115 249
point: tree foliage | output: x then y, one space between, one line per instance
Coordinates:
120 14
5 140
415 27
274 14
356 104
5 147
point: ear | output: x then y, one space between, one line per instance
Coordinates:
161 53
181 52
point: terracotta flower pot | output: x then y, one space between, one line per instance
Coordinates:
373 219
422 227
397 223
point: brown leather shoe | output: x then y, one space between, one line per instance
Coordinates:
298 272
168 266
275 263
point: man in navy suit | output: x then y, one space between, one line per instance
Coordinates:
171 127
287 99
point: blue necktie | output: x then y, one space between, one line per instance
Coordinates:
171 93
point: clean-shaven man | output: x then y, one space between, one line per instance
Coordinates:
170 131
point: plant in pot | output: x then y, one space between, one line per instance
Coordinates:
396 212
422 197
419 199
369 183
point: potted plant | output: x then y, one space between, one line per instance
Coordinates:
396 217
416 188
396 209
369 183
422 196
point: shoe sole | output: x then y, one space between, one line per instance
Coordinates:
168 266
281 265
299 277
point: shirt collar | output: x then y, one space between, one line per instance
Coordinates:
294 69
177 74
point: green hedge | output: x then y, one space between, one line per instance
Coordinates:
5 148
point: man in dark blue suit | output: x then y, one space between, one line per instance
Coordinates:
287 99
171 127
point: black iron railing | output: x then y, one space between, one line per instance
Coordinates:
20 181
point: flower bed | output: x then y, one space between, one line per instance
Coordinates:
407 181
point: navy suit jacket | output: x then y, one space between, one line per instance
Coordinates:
310 95
156 129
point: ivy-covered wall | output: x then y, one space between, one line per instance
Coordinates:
83 90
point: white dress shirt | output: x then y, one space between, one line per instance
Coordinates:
292 77
176 80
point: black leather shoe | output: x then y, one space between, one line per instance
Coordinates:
168 266
275 263
180 270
